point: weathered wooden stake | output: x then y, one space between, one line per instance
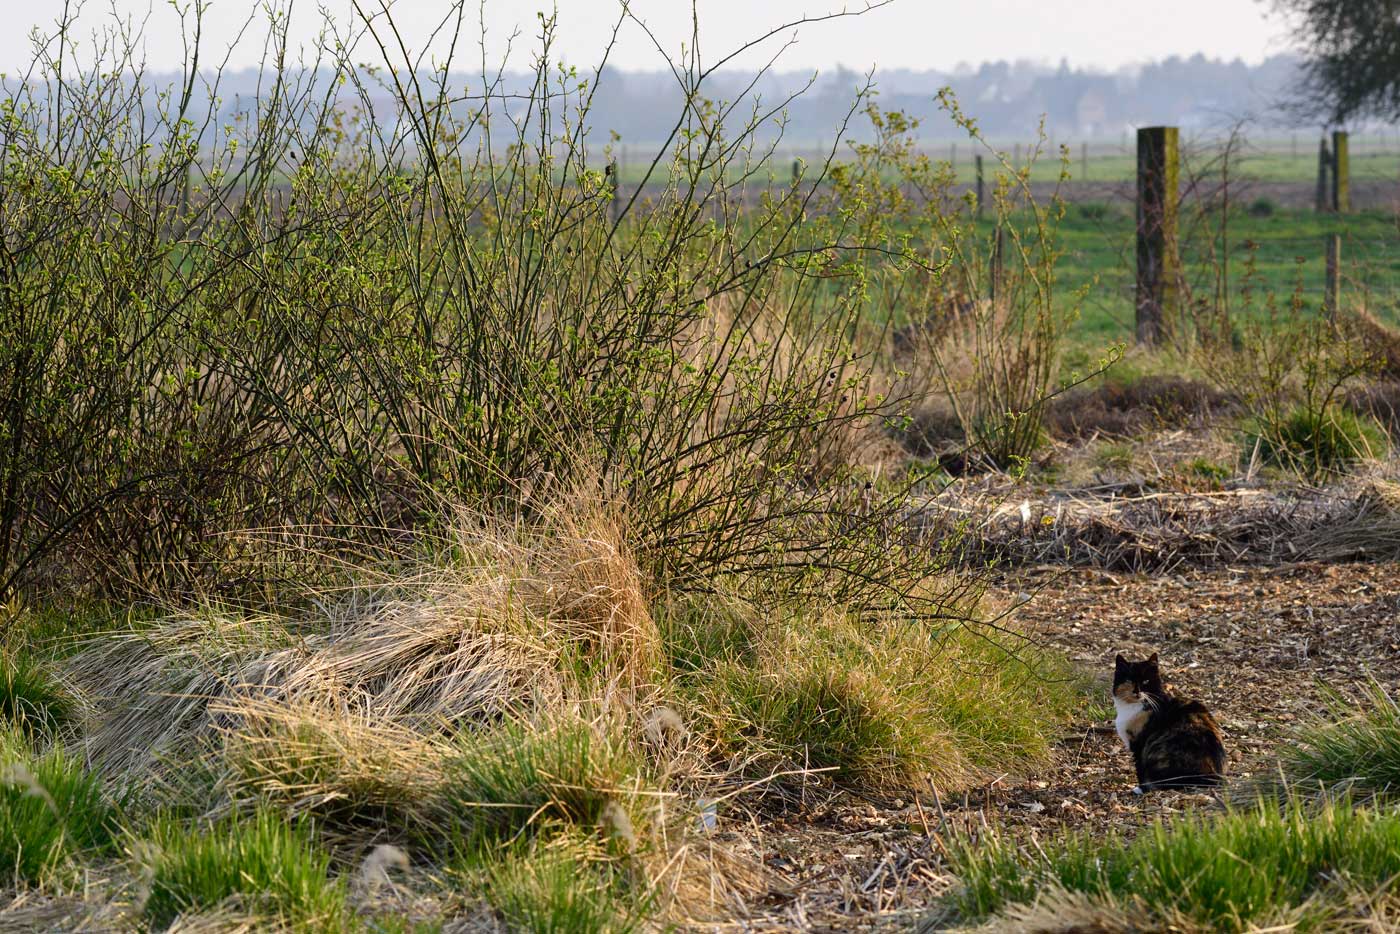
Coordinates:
1341 173
981 190
1324 161
614 203
998 245
1158 268
1331 297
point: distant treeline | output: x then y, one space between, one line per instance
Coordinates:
1008 99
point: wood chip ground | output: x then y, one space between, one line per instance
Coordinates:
1257 644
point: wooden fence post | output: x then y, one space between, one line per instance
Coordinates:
998 244
1158 267
610 179
981 190
796 172
1331 297
1341 172
1324 161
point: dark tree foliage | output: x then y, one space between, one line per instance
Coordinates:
1352 49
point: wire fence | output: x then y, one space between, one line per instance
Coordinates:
1249 228
1294 156
1254 266
1374 156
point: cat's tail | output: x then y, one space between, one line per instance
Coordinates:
1202 780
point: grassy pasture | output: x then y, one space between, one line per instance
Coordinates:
1376 160
1275 254
1373 159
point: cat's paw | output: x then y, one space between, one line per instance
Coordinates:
1139 790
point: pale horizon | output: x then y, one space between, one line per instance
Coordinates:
905 34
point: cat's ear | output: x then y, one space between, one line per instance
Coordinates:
1152 660
1120 664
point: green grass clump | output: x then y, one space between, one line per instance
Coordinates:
1271 863
566 885
882 704
1097 210
518 778
1262 207
267 863
1356 746
1316 443
30 699
548 824
1203 468
1114 455
53 813
695 632
1200 473
821 716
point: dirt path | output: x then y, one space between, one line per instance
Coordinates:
1256 644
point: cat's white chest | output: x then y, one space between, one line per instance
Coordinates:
1129 720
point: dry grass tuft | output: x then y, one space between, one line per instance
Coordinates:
1381 401
516 680
1122 408
1381 341
590 591
229 920
327 761
412 663
495 632
27 910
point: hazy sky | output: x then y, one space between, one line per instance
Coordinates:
906 33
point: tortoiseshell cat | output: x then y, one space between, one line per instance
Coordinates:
1175 743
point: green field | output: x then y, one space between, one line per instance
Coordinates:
1203 161
1276 255
1371 160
